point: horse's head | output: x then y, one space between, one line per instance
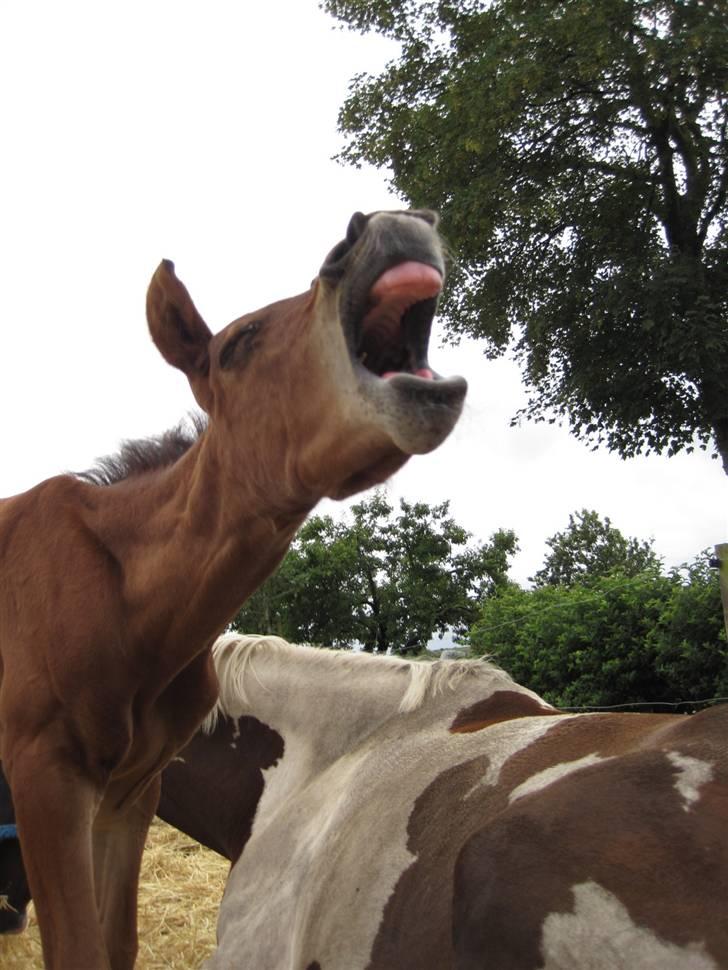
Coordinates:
330 390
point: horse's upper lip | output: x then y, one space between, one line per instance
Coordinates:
388 325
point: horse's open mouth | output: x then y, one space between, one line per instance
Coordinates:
388 273
392 333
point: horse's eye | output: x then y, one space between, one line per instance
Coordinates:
240 345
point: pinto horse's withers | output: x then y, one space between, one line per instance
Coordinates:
114 585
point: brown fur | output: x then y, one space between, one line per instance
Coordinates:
617 823
212 788
503 705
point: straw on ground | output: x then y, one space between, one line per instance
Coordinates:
179 895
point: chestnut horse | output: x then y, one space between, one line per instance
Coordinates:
114 585
384 813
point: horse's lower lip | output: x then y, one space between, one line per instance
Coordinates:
416 413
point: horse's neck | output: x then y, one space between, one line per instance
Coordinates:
193 544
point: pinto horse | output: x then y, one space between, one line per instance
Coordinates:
437 816
115 584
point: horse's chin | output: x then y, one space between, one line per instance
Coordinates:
405 415
416 413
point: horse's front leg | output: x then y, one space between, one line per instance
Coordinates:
118 845
55 804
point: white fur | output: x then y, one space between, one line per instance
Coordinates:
542 779
600 935
234 661
693 774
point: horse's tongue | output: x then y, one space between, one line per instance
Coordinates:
397 289
409 282
420 372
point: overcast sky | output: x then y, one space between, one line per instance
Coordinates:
204 132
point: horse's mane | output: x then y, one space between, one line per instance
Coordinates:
141 455
233 654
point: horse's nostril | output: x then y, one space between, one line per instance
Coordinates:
356 227
335 263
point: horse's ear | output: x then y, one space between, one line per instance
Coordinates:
179 332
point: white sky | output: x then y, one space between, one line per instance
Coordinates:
204 132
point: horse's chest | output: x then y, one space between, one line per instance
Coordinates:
189 697
166 723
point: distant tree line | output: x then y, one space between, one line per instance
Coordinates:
602 624
605 625
387 580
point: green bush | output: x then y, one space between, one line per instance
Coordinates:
646 638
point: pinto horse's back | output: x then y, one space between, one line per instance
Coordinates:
624 860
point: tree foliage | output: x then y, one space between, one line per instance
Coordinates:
578 155
590 548
646 637
386 580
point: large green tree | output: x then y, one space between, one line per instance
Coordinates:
577 151
589 548
387 580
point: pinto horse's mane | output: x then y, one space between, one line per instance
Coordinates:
141 455
233 654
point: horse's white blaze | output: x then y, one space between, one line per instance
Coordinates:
542 779
693 774
601 935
